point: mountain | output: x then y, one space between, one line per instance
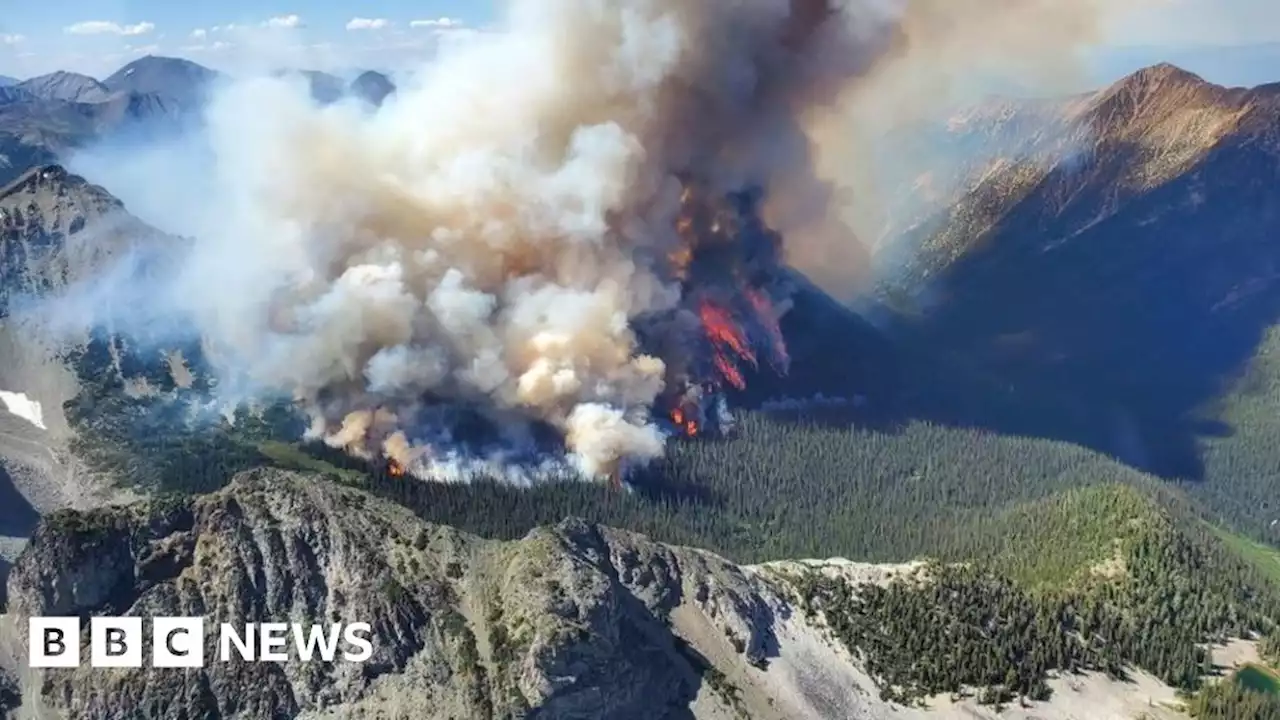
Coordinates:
1067 404
1244 65
63 228
575 621
65 86
176 81
327 88
372 86
6 81
56 229
1111 293
37 130
571 621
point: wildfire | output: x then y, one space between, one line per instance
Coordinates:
727 339
394 468
688 425
768 319
726 259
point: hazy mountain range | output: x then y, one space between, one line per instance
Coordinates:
1068 397
48 115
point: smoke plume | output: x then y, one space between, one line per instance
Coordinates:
566 227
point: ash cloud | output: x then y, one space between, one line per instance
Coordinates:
486 243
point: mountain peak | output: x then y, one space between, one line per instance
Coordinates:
162 62
1164 81
172 78
58 180
67 86
1163 73
373 86
1167 106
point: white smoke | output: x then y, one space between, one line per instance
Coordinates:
488 235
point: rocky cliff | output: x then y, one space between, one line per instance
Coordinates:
56 229
572 621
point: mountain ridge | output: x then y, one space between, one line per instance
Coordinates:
1036 275
574 620
579 625
65 86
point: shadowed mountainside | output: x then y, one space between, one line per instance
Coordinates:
1110 296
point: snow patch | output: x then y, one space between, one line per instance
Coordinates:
24 407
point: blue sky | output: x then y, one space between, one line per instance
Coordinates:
97 36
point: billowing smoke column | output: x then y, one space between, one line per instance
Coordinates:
555 234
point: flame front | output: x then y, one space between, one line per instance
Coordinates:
728 264
725 260
727 340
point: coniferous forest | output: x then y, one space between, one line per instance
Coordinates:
1048 558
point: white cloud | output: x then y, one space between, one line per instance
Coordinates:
213 47
359 23
441 23
104 27
12 39
199 33
284 21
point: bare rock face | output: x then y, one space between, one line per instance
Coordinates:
56 230
573 621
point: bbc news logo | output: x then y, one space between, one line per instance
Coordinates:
178 642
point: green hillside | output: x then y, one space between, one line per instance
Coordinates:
1248 694
1242 467
1089 579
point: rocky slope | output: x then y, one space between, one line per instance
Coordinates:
1103 284
56 229
65 86
571 621
175 82
574 621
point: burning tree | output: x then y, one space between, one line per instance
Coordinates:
732 279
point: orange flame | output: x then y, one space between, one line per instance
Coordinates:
705 222
727 337
687 425
723 331
394 468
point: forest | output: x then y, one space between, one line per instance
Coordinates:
1072 560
